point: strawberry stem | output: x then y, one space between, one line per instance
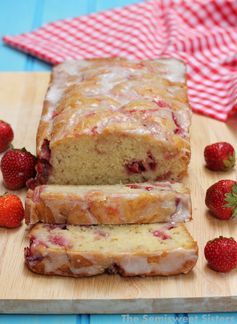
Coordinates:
230 162
231 199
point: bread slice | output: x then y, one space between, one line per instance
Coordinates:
130 250
108 204
107 121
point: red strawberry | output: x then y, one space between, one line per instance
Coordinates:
11 211
221 199
17 167
6 135
221 254
219 156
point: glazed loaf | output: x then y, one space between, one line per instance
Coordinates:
111 204
130 250
108 121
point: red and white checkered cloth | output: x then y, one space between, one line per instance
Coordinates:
202 33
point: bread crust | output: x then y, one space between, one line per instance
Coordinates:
75 264
43 127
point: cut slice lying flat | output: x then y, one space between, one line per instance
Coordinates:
130 250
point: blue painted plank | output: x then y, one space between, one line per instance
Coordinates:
36 23
55 10
15 17
203 318
83 319
134 318
107 4
38 319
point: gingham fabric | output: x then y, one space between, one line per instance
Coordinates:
202 33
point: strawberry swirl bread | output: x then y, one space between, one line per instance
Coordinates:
113 120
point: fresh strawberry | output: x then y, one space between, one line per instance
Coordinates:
6 135
219 156
221 254
17 167
11 211
221 199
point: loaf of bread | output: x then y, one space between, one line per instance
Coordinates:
108 121
108 204
130 250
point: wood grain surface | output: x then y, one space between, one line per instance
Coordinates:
21 96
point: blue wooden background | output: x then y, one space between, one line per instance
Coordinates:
18 16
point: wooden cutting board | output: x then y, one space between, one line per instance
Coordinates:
21 291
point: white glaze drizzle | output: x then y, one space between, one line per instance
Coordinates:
114 74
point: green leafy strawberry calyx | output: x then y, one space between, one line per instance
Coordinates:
230 162
231 199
